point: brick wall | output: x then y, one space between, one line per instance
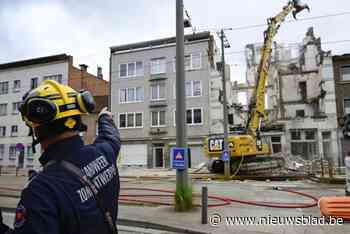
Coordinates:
81 79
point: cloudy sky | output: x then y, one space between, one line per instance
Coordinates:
87 28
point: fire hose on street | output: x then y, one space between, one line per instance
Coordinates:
165 197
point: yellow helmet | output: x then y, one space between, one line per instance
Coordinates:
52 101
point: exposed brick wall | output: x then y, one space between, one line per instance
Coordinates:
79 79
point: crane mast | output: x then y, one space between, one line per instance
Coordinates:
257 105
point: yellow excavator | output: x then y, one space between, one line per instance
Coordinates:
247 147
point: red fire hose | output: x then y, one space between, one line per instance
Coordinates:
221 201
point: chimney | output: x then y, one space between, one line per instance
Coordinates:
99 72
83 67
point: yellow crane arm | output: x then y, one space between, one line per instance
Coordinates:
257 105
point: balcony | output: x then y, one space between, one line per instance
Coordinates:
157 77
158 131
158 103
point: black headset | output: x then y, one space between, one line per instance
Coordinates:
42 110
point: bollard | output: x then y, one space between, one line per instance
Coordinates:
204 205
347 178
330 169
322 168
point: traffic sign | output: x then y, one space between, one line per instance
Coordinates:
179 158
225 156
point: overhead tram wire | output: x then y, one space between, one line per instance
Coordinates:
239 28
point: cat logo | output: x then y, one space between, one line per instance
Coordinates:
216 144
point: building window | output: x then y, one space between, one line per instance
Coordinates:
130 120
2 131
305 145
194 116
122 121
303 90
157 118
16 86
196 61
296 135
57 78
310 135
327 145
3 109
30 152
33 83
129 95
276 144
158 91
15 108
300 113
2 151
345 72
192 62
193 88
14 130
12 152
4 87
131 69
346 106
158 66
230 119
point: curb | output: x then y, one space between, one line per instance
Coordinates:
139 224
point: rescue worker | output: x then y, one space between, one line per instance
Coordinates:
78 188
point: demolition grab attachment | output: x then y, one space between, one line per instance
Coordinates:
298 7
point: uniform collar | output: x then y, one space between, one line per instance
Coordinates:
61 150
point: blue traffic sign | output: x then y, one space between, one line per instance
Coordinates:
179 158
225 156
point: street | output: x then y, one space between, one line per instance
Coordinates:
9 217
148 200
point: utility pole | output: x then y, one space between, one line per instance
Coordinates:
225 44
182 183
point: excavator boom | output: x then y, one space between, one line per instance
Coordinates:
257 105
247 144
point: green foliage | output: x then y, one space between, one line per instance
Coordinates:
183 198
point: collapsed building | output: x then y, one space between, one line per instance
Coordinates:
299 101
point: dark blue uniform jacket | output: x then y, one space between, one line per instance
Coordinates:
55 201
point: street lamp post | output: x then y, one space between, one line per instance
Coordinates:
183 195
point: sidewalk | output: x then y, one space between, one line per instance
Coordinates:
190 222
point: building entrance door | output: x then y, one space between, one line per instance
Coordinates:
158 157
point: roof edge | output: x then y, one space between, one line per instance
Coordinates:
35 61
158 42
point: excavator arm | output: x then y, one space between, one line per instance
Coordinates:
257 104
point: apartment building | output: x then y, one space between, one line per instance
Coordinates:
341 65
300 98
16 78
143 100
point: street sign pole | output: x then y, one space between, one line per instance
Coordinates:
181 175
227 166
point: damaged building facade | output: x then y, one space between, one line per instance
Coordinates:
300 99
